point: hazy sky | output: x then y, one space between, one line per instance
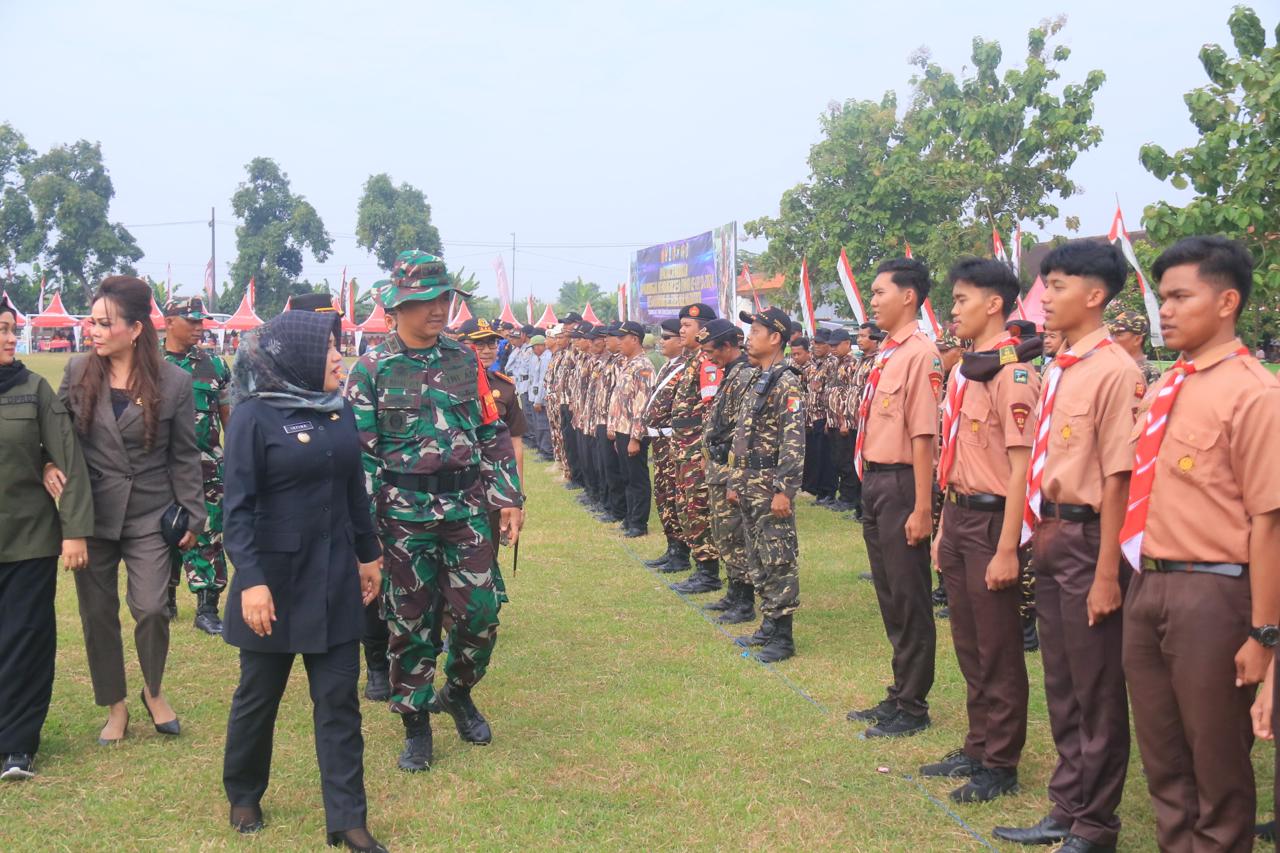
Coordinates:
590 128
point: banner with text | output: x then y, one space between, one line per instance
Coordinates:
667 277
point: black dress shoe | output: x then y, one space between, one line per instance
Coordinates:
172 728
247 819
1047 831
1079 844
1030 637
18 766
900 724
867 576
1266 831
456 702
635 532
378 686
954 765
879 713
356 839
124 733
986 784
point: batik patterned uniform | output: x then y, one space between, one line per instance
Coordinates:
726 519
437 458
695 389
204 563
768 459
657 421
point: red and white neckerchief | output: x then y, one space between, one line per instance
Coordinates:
951 416
1144 460
1040 450
869 391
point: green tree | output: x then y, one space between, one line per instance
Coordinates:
20 239
1235 166
965 149
276 227
70 194
574 296
391 219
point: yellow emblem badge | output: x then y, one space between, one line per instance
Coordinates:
1066 433
1186 463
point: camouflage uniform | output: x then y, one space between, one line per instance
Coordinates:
689 409
551 405
657 420
437 458
204 564
726 520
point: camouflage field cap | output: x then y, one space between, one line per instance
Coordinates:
948 341
186 307
384 293
418 277
1130 321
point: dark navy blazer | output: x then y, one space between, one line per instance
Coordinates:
296 518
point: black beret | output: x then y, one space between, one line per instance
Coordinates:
698 311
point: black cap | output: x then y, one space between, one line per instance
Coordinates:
700 311
571 317
630 328
312 302
670 327
838 336
1022 328
773 319
719 331
822 336
612 329
477 330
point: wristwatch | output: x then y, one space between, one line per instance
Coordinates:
1266 635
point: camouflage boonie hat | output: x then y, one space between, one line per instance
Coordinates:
1130 321
384 293
948 341
187 307
418 277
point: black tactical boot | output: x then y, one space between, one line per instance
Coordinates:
1030 638
378 686
705 579
780 644
207 612
732 596
665 557
679 561
760 637
743 609
171 607
456 702
416 756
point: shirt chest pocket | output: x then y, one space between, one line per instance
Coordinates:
1072 425
1194 455
19 413
400 414
887 402
975 410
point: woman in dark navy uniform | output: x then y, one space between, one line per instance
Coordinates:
299 531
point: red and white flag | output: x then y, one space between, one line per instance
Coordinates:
42 292
504 287
755 297
252 292
928 320
850 286
806 299
1015 253
997 246
622 303
210 289
1118 234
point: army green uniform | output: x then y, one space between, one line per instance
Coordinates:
657 419
204 563
437 458
726 519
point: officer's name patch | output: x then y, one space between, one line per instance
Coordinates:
19 399
304 426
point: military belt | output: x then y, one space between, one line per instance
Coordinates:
686 423
1068 512
443 481
755 461
1226 570
981 502
886 466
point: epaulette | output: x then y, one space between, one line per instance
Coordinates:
499 374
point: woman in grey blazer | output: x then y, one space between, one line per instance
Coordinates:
135 418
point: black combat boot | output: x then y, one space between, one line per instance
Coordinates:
760 637
207 612
705 579
780 644
664 558
416 756
378 686
743 608
728 601
1030 638
456 702
679 561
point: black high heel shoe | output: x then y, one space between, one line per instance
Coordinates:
172 728
356 839
102 741
246 819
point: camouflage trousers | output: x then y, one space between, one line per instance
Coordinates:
1027 607
691 498
204 564
430 569
773 551
726 531
557 432
664 487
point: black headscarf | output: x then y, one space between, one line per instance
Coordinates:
11 375
284 363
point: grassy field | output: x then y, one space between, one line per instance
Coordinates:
623 719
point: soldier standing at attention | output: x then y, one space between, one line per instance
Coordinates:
722 343
615 486
840 426
822 482
204 563
1077 490
987 432
869 338
657 420
1202 531
695 390
897 430
767 461
437 457
1130 330
626 427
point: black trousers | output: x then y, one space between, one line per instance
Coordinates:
635 479
375 638
615 487
28 641
333 678
846 484
819 475
587 457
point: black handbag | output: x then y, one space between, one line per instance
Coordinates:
173 524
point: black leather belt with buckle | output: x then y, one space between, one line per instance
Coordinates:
434 484
982 502
1068 512
1226 570
886 466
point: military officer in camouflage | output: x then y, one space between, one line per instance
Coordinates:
204 564
437 458
1130 330
767 462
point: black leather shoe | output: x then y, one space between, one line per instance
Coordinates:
939 595
879 713
1266 831
636 532
954 765
1030 637
102 741
356 839
173 728
247 819
1047 831
416 755
837 505
759 638
1079 844
207 619
987 784
900 724
378 686
866 576
456 702
18 766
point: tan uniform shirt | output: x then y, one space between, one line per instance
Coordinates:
994 416
1217 463
905 405
1093 415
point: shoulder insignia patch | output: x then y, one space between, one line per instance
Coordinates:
1020 412
935 379
1020 375
1008 355
1139 390
793 403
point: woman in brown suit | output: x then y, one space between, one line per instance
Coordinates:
135 418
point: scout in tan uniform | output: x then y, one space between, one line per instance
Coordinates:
987 430
897 429
1076 493
1203 533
